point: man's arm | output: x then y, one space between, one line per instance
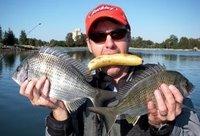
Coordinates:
58 128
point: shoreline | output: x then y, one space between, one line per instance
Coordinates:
162 49
85 48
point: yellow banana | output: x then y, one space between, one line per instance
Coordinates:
114 59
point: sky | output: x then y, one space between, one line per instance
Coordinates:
153 20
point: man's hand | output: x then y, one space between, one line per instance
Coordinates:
37 91
169 101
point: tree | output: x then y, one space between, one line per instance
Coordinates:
171 42
193 43
69 40
39 43
80 40
9 38
137 42
183 43
23 38
1 35
52 43
32 41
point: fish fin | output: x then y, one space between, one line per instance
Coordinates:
72 106
55 52
113 103
108 114
83 69
132 119
139 76
103 96
124 89
69 60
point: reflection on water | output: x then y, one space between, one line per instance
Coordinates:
9 59
1 67
83 56
15 108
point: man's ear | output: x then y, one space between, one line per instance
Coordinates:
89 44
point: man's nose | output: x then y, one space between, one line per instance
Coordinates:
109 43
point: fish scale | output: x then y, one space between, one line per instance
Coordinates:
133 102
69 85
69 79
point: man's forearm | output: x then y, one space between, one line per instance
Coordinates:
58 128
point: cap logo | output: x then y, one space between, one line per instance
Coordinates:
101 8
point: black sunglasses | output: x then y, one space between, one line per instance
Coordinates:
100 37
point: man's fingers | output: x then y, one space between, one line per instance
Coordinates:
152 112
151 108
160 102
177 95
29 89
178 98
169 101
23 87
40 83
45 90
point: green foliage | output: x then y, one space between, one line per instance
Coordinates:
57 43
69 40
36 42
9 38
1 35
23 40
138 42
170 43
184 42
80 40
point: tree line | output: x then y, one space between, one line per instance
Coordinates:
8 38
170 43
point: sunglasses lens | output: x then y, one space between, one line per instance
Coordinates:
98 37
118 34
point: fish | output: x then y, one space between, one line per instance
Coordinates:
114 59
132 104
69 78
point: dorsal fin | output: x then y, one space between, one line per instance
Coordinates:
69 60
138 76
54 52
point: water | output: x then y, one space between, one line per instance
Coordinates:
19 117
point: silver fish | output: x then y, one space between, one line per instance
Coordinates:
133 102
68 77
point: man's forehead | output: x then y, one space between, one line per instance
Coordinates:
105 24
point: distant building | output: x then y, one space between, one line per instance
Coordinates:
75 33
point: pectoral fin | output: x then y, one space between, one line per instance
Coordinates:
132 119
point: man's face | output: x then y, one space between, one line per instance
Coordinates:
110 45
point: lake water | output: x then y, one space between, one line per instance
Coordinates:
19 117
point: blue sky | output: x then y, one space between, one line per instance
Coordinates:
151 19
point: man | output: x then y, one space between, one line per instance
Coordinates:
108 32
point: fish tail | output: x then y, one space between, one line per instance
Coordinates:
109 116
104 96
